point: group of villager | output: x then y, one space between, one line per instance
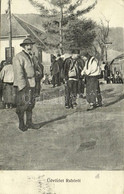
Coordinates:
76 71
21 81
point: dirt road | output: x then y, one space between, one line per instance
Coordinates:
68 139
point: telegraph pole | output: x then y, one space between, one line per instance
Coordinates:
10 31
106 53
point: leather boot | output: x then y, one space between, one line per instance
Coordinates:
29 123
22 126
28 118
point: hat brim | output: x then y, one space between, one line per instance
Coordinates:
23 44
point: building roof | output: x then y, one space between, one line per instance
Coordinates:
118 59
34 32
23 28
17 29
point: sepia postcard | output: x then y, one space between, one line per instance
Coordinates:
62 97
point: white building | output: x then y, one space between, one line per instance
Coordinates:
20 30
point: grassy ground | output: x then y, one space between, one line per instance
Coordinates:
68 139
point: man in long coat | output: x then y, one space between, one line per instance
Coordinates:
55 73
61 69
92 72
39 75
25 72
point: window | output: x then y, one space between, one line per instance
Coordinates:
8 56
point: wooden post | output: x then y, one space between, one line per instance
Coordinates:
10 31
106 54
106 47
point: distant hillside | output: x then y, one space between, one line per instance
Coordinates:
116 35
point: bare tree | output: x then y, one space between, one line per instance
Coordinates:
102 37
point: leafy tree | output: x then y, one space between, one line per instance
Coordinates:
79 34
59 12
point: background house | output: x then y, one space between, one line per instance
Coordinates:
117 64
20 30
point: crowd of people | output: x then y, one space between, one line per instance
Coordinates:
20 82
76 72
110 76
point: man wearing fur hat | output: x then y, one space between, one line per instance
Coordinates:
25 72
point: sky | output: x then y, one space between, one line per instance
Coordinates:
112 10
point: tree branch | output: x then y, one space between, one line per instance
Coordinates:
84 11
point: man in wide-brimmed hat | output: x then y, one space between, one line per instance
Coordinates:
27 41
25 71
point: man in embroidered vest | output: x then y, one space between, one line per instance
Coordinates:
92 72
24 80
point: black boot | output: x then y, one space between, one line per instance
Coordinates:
22 126
29 123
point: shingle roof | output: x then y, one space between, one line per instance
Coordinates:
34 32
17 29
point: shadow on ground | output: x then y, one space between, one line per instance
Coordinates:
121 97
55 119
